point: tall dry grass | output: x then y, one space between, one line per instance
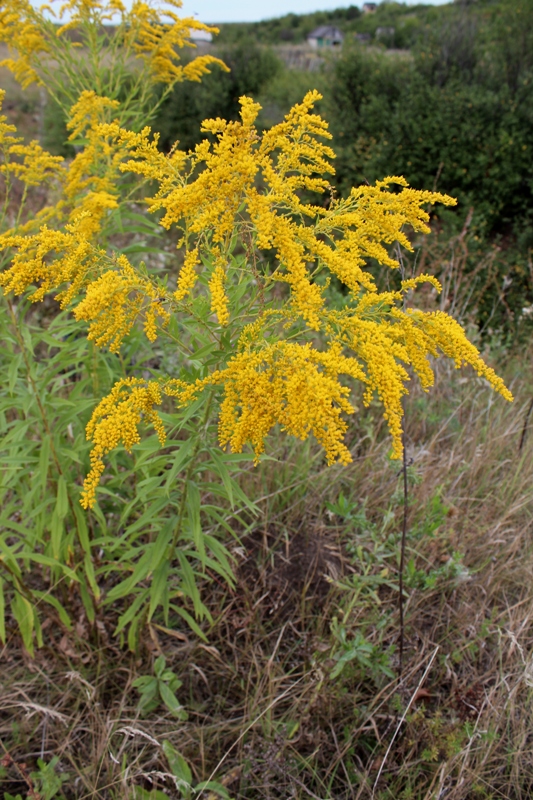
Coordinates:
266 717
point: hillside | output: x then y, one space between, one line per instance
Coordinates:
411 23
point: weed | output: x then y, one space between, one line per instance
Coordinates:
159 689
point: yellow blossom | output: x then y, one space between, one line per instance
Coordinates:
289 384
187 277
219 299
89 109
6 130
149 31
115 420
21 31
289 359
37 164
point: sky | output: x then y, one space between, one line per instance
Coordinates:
254 10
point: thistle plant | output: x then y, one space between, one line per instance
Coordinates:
242 301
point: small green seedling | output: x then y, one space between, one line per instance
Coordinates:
159 689
183 777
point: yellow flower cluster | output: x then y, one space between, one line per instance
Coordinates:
156 42
91 180
6 130
21 30
289 359
289 384
188 276
36 165
286 159
115 420
88 182
143 31
219 298
114 301
50 259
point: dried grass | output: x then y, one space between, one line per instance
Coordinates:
265 718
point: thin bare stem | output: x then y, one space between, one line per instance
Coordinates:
402 554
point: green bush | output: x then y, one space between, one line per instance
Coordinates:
183 111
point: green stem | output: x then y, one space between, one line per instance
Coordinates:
42 410
188 475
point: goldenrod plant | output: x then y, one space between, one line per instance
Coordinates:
242 300
105 47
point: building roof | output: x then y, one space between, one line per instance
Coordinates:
326 32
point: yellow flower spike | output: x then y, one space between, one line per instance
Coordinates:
5 128
240 186
155 41
412 283
249 111
88 111
187 277
448 336
116 420
90 212
29 264
110 308
37 164
20 30
288 384
219 298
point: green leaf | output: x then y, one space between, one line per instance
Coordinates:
191 622
193 512
189 585
148 693
87 603
223 473
12 373
178 765
62 498
56 534
72 455
47 561
171 702
26 335
213 786
83 531
129 614
23 612
144 794
2 613
141 219
53 601
158 587
179 458
128 585
149 515
160 546
90 575
142 681
44 460
159 666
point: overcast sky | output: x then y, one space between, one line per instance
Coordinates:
253 10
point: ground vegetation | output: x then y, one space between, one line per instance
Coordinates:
181 620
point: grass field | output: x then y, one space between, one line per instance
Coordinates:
293 692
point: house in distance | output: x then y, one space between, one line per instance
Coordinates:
325 36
